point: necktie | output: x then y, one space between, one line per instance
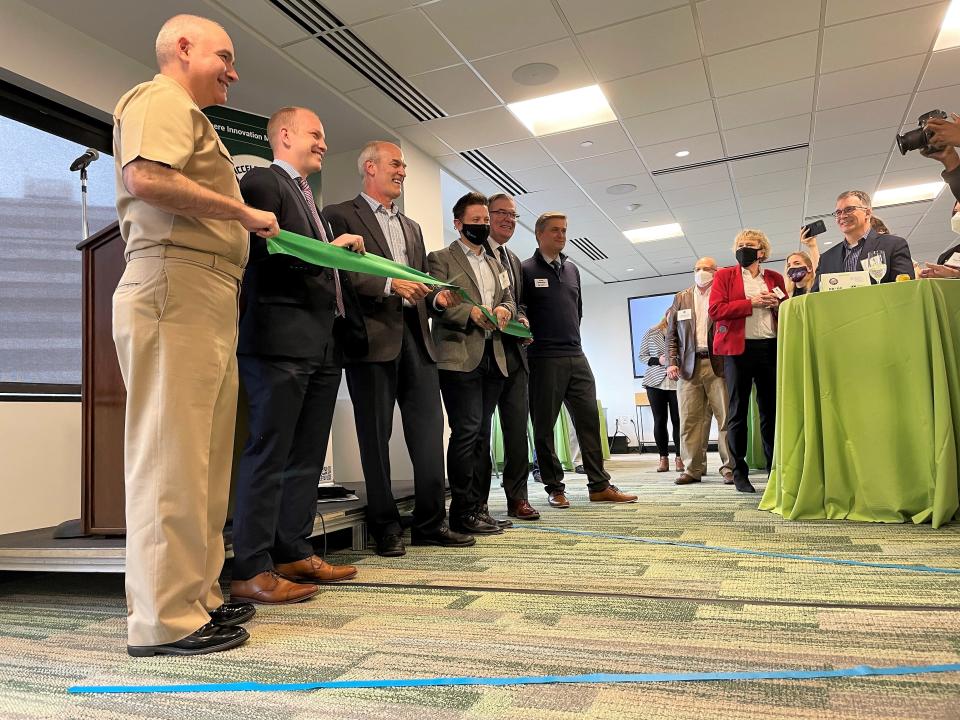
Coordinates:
312 204
505 261
556 265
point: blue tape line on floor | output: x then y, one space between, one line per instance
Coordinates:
596 678
743 551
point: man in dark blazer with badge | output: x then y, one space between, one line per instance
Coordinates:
296 323
400 366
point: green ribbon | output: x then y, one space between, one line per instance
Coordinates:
329 255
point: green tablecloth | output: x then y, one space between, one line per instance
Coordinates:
868 405
561 439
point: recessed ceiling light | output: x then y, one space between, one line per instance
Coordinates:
682 153
633 207
535 73
629 269
657 232
621 189
564 111
587 143
950 28
911 193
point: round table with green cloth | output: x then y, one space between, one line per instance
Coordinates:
868 405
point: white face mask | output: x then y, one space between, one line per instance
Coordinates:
704 277
955 223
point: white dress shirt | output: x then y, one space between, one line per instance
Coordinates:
759 325
701 308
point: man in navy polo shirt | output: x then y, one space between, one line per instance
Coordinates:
559 371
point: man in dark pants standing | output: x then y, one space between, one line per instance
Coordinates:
401 365
513 404
559 371
296 318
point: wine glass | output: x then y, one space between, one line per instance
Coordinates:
877 264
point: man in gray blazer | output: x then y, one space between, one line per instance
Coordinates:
472 362
701 389
400 367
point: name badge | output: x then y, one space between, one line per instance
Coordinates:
504 280
685 314
779 293
953 261
541 282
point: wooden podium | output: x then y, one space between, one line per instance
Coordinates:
104 396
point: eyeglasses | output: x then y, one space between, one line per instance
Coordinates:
837 214
505 214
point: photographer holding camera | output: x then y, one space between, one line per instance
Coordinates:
942 139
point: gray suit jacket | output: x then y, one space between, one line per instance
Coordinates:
682 336
382 314
459 341
517 290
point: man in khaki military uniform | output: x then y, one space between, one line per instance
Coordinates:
175 328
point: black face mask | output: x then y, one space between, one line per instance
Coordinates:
477 234
796 274
747 256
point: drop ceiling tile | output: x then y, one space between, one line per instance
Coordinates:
603 167
763 65
549 177
706 210
766 201
644 217
647 43
642 181
496 26
853 119
422 48
763 217
792 180
617 206
589 218
487 127
332 69
381 106
693 177
772 103
675 124
730 24
880 38
460 167
942 69
943 98
586 15
713 227
456 90
658 90
769 135
701 148
769 163
355 11
676 265
425 140
520 155
852 146
573 73
915 176
604 139
839 172
548 201
700 194
910 161
886 79
841 11
273 24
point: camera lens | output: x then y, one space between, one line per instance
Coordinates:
913 140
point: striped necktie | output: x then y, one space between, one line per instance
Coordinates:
312 204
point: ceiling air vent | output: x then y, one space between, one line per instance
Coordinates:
331 32
586 246
731 158
489 168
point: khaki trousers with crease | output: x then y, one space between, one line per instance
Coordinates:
701 398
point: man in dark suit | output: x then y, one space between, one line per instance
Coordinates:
296 318
513 404
400 366
472 362
853 215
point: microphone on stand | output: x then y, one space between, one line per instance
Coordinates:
81 162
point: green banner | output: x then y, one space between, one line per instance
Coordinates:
327 255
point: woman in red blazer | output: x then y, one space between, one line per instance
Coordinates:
743 307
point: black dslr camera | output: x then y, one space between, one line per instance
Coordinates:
918 139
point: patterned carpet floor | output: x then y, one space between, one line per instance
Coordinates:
533 602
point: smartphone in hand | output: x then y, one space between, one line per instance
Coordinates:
815 228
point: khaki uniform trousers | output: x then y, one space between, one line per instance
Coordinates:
701 398
175 328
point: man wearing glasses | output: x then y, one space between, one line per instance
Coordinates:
853 215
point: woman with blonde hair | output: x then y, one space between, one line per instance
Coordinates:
799 272
662 393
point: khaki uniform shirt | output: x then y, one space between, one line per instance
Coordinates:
159 121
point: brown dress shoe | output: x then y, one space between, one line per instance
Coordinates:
522 510
664 464
678 464
558 500
314 570
612 495
728 477
685 479
268 588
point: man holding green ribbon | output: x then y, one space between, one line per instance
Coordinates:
400 367
472 361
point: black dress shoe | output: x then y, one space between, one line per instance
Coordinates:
232 614
743 485
444 537
474 524
390 545
485 515
579 470
210 638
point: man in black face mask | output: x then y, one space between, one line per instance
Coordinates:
471 360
